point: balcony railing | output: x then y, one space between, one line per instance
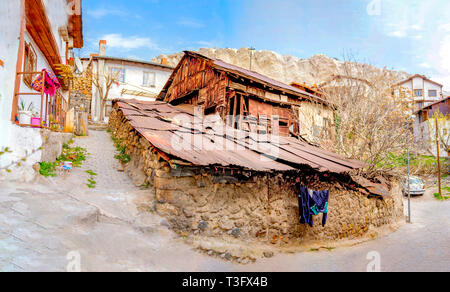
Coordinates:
53 109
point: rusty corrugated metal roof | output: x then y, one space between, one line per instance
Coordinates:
162 124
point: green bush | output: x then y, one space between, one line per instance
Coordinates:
48 169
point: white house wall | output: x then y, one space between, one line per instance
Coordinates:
425 85
134 77
22 141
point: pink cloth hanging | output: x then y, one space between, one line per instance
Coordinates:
51 83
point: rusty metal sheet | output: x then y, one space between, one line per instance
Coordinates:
158 123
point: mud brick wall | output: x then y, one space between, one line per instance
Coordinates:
214 205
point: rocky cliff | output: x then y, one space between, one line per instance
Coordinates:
283 68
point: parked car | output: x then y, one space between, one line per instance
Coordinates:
416 185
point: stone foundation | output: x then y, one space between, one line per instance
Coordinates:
250 205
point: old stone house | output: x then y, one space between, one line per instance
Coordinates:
36 35
248 100
210 150
212 179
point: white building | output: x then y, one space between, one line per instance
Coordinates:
421 90
137 79
35 35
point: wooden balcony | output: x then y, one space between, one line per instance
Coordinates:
52 111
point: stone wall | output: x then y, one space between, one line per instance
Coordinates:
255 205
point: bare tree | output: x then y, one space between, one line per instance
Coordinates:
371 121
103 82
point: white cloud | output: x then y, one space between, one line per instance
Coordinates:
119 41
102 12
398 34
206 44
445 27
425 65
191 23
416 27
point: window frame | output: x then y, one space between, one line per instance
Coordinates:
122 72
416 91
147 84
29 66
432 90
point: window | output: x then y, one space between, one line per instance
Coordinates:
418 92
149 79
432 93
30 64
118 73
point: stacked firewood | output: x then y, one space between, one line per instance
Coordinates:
83 83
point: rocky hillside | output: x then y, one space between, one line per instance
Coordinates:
283 68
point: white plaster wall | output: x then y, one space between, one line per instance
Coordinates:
134 77
420 83
22 141
425 135
9 45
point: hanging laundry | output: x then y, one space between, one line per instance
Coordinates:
51 83
305 202
312 203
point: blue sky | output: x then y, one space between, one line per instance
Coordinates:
410 35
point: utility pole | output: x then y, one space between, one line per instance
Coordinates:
438 158
409 188
410 118
252 49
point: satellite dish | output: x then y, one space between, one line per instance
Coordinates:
79 65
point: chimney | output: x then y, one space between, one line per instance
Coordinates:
102 48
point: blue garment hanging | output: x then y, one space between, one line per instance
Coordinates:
305 202
312 205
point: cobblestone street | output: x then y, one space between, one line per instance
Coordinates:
41 223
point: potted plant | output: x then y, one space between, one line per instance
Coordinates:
25 113
36 120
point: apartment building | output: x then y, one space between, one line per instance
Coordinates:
421 90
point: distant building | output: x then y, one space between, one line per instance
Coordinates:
36 35
421 90
137 79
425 127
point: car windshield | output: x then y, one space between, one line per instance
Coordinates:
415 181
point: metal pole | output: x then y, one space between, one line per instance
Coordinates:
438 156
409 189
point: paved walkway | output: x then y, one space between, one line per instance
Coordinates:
42 223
